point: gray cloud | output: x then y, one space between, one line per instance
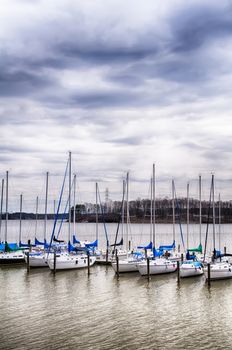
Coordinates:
119 85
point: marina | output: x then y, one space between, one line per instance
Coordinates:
101 311
115 175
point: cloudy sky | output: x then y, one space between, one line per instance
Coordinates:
122 84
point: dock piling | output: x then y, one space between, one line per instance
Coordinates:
88 259
28 261
117 265
54 269
208 274
178 271
148 269
107 255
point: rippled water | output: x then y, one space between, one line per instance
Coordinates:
72 310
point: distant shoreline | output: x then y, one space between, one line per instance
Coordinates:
91 218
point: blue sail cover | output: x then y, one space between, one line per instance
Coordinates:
13 245
24 245
149 246
75 240
37 242
168 247
92 245
2 247
71 248
217 254
190 257
157 253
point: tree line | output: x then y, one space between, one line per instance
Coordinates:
140 211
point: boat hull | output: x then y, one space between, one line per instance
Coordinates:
11 258
219 271
157 267
67 262
37 260
190 271
125 266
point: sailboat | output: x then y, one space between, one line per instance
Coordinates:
192 267
38 258
218 270
10 253
107 256
130 263
70 259
158 264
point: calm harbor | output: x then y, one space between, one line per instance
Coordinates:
73 310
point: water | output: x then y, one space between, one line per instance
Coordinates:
75 311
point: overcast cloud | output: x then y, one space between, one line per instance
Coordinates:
121 84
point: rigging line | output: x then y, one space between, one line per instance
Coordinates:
179 217
207 226
63 214
58 208
103 217
120 217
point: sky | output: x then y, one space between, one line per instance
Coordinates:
120 84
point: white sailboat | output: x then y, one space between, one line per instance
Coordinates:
70 260
11 253
38 258
156 265
130 264
191 268
218 270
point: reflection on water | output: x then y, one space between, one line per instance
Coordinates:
72 310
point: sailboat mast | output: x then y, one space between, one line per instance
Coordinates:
46 208
7 175
214 243
123 207
153 191
74 203
200 214
151 218
127 211
219 222
96 212
20 217
173 211
188 215
36 214
69 198
1 210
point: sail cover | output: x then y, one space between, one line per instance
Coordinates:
149 246
117 244
168 247
92 245
37 242
75 240
198 249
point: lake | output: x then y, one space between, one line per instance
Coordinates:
72 310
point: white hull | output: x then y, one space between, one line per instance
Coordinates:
189 270
157 267
68 261
219 271
125 266
39 260
175 257
12 258
102 257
